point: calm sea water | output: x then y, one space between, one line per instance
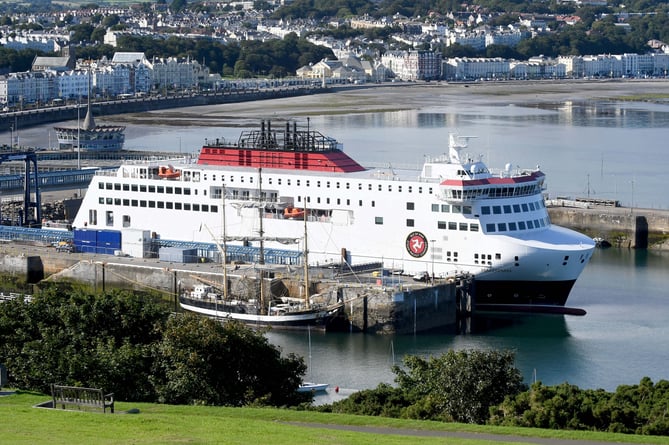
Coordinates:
601 149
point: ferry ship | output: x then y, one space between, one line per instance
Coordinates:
453 216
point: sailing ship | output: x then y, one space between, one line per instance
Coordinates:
452 216
280 313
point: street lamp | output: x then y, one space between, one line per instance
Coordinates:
11 136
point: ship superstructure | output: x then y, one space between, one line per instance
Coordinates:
453 216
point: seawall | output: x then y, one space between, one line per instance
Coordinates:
620 226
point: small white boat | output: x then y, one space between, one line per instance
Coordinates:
313 387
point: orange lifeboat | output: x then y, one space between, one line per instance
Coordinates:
168 172
292 212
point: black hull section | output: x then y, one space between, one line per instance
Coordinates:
522 293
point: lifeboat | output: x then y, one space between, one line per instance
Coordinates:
292 212
168 172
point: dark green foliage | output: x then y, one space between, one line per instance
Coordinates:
130 345
458 386
201 361
384 400
632 409
78 339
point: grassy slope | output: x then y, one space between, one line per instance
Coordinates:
20 423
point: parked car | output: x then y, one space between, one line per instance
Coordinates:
423 276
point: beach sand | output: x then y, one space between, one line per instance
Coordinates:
406 96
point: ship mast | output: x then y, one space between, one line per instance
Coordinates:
306 258
225 249
261 251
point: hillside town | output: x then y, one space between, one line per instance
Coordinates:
410 53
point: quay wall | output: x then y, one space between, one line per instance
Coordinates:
401 309
621 226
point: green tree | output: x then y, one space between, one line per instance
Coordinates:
201 361
458 386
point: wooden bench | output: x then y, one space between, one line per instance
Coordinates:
82 398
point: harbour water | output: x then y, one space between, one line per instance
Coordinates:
608 150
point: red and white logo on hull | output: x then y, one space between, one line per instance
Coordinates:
416 244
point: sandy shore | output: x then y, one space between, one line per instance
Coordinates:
405 96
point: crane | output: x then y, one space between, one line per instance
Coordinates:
31 214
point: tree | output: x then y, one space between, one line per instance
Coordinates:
458 386
201 361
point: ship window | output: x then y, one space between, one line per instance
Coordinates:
126 202
463 226
420 189
373 203
530 225
196 207
327 184
152 204
327 200
410 222
429 190
110 218
152 189
507 209
117 201
169 190
409 187
360 203
536 224
134 187
307 182
516 208
445 208
380 187
134 203
348 185
512 226
496 210
378 220
452 226
521 225
318 183
467 210
169 205
278 181
456 209
410 206
524 207
288 181
177 206
298 182
186 206
531 204
177 190
348 202
101 185
498 256
126 220
501 227
543 223
101 200
160 189
435 207
142 188
109 201
93 217
359 186
476 256
473 227
108 185
369 186
441 225
338 201
186 191
117 186
160 204
318 200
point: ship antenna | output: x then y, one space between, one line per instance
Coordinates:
306 256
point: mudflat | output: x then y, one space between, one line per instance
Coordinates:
408 95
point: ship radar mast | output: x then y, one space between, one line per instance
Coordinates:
456 144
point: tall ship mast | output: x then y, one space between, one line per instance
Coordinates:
453 216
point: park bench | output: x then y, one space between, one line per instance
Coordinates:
67 396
